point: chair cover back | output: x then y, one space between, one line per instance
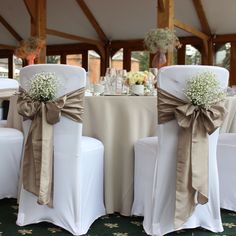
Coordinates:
159 213
6 83
73 179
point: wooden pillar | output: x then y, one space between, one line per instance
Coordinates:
85 60
232 80
40 22
181 55
105 59
10 66
126 59
63 58
207 52
165 18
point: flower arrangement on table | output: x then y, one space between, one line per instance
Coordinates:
158 41
29 49
204 90
138 78
43 87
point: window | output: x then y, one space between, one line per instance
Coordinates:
94 65
17 65
222 57
4 67
117 60
192 56
139 60
74 59
53 59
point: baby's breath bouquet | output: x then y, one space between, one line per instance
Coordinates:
139 77
43 87
204 90
158 41
161 39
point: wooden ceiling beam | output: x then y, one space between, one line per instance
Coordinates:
10 29
191 29
202 16
224 38
92 20
5 46
193 40
72 37
31 8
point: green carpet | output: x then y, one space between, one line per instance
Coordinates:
110 225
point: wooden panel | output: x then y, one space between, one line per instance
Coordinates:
232 64
69 48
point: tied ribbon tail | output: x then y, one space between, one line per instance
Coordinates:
38 149
192 155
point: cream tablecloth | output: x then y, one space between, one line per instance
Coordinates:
119 121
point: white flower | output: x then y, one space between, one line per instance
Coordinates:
139 77
204 90
43 86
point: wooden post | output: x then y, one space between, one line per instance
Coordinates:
181 55
63 58
127 59
165 18
10 66
38 19
85 60
105 59
40 22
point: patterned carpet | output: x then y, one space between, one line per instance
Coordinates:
112 225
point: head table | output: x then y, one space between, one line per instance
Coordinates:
119 121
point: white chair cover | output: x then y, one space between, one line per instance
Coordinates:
145 157
78 165
11 142
7 88
160 205
226 150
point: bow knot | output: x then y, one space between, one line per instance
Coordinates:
195 123
38 149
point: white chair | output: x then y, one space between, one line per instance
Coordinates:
78 165
11 142
7 88
226 150
159 201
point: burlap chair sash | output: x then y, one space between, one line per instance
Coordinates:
195 124
38 149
